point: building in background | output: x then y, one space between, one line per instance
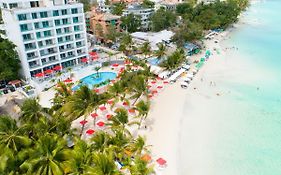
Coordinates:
102 21
143 13
47 33
88 16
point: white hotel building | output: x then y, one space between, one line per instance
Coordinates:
47 33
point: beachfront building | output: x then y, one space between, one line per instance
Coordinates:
47 33
144 13
88 16
102 21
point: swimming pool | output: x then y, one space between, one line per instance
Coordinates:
154 61
94 79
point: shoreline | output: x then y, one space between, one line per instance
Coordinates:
167 113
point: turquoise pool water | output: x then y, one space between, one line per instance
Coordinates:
94 79
248 120
153 61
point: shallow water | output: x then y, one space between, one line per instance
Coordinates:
247 123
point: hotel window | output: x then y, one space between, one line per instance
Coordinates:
31 55
78 43
76 28
40 43
77 36
57 22
26 37
45 24
29 46
5 5
58 31
75 20
60 39
22 17
67 38
66 30
74 11
64 12
52 58
23 27
36 25
34 4
55 13
38 34
62 55
34 15
43 60
49 42
43 14
13 5
64 21
68 46
47 33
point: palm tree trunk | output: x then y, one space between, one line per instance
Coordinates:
137 99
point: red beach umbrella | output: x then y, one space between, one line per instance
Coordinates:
165 82
148 86
56 68
48 71
158 78
96 90
161 161
159 87
153 82
110 102
94 115
40 74
125 103
108 116
115 65
100 123
90 131
83 122
154 92
150 96
102 108
84 60
67 80
131 111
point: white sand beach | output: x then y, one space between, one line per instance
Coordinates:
170 108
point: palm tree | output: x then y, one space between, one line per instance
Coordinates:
32 111
143 108
69 70
97 68
140 167
145 49
81 158
116 89
63 91
160 53
12 136
138 87
138 145
121 120
47 157
100 141
103 165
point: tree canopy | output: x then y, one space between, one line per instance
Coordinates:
131 23
147 4
117 8
9 60
162 19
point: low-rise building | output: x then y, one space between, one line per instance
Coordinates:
101 21
143 13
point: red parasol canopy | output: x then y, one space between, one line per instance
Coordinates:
108 116
146 158
153 82
102 108
96 90
154 92
40 74
161 161
67 80
148 86
94 115
158 78
165 82
131 111
125 103
56 68
159 87
150 95
100 123
84 60
110 101
48 71
115 65
83 122
90 131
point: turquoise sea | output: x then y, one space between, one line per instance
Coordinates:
248 134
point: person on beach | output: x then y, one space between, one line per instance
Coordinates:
211 83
